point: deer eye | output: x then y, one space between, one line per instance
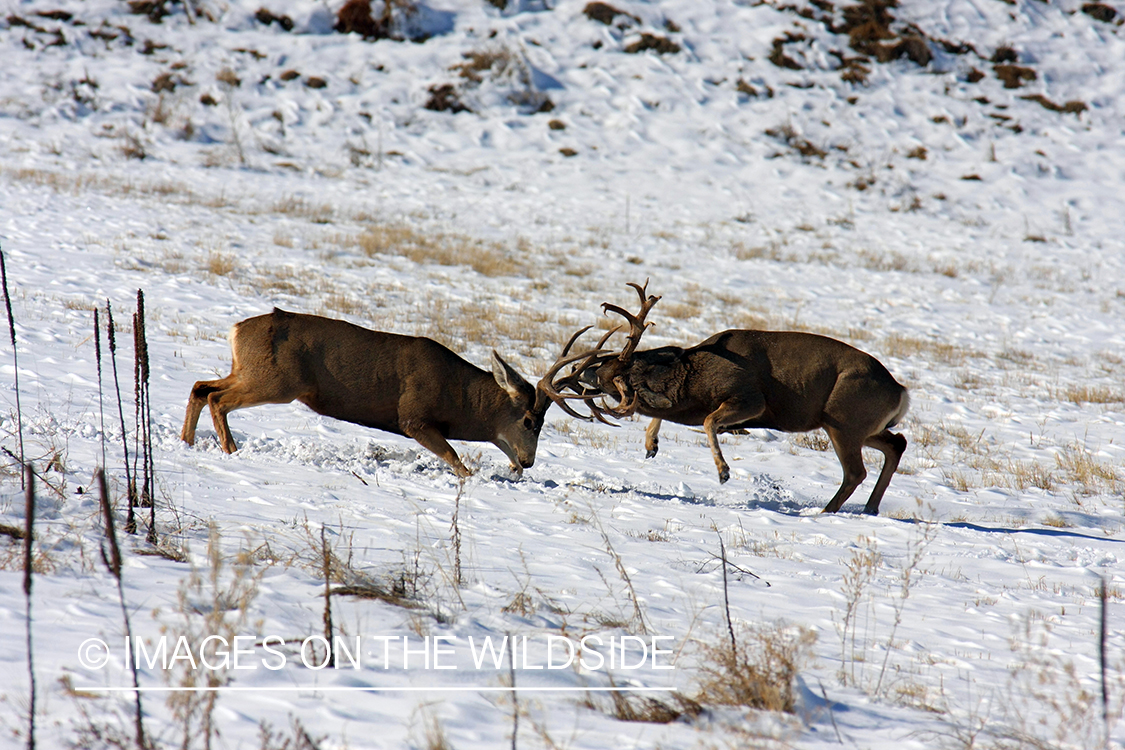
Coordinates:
528 423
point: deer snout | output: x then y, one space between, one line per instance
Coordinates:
525 456
521 456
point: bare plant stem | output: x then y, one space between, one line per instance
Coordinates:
29 528
138 397
112 562
831 713
859 571
131 491
515 698
15 362
236 137
101 399
915 551
144 416
326 556
637 622
726 597
1102 594
455 527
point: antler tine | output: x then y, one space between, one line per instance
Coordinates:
623 408
599 413
579 332
641 290
636 322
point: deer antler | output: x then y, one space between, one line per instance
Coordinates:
637 327
552 388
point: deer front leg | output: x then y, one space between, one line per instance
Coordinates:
652 438
728 414
432 440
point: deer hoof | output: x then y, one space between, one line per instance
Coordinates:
651 452
724 475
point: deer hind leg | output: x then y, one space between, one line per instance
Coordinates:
849 450
729 413
239 392
196 401
652 438
432 440
892 446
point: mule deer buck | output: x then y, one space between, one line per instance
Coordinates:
407 385
780 380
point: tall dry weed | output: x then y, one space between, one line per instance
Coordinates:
760 672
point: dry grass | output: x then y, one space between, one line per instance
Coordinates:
681 310
652 535
875 260
744 319
774 547
591 437
280 279
433 733
644 708
1096 394
816 440
342 304
905 347
1022 475
958 480
1082 469
519 331
1056 522
772 250
221 264
318 213
75 184
757 673
446 249
174 262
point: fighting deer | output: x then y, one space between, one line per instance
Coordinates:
407 385
780 380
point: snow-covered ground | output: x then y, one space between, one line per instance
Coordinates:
965 233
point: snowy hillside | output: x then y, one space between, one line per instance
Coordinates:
940 183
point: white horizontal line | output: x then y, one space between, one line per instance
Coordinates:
374 689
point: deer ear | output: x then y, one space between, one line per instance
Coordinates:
508 379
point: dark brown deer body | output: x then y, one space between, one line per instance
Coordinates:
406 385
780 380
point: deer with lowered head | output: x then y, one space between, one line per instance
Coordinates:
406 385
789 381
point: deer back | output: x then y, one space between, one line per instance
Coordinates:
372 378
